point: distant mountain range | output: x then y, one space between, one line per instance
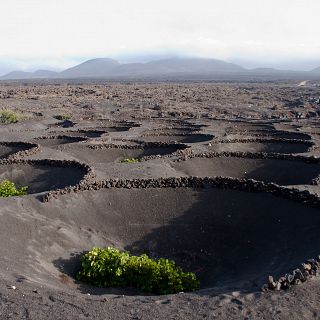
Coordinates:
316 70
39 74
172 68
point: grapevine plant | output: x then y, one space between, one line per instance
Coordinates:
9 189
109 267
130 160
7 117
62 117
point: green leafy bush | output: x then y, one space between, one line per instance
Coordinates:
9 189
7 117
109 267
130 160
62 117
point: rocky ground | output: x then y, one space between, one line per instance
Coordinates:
252 212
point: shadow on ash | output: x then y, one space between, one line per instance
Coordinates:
231 239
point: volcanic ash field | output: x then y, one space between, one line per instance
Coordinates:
222 182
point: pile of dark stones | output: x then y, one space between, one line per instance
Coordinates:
307 270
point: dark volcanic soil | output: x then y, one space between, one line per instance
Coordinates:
187 138
233 240
283 172
58 140
261 146
107 155
291 135
85 133
193 227
8 150
39 178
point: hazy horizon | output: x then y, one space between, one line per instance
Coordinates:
68 62
55 35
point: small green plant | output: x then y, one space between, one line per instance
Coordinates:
62 117
9 189
7 117
109 267
130 160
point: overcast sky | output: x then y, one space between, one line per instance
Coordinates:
60 33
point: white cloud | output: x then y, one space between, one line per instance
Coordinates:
58 32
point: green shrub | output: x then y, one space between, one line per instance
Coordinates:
62 117
9 189
109 267
7 117
130 160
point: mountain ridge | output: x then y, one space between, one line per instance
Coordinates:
91 68
38 74
316 70
176 66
